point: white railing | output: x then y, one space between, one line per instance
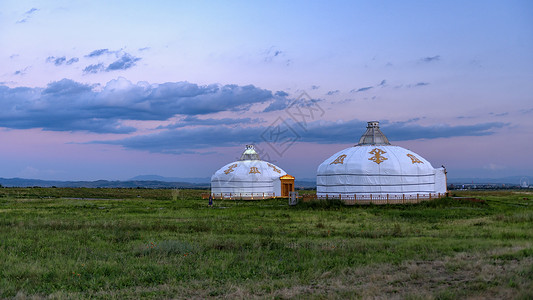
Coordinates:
243 196
351 199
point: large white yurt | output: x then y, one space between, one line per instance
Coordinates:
375 168
251 178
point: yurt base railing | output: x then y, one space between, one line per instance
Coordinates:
241 196
376 199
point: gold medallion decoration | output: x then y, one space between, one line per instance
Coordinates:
230 169
339 160
254 170
377 158
274 168
414 159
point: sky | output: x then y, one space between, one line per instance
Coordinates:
110 90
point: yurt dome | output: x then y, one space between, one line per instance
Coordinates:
376 168
251 178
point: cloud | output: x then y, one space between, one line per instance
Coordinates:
195 121
331 93
27 15
144 49
58 61
271 53
315 87
125 62
429 59
526 111
72 60
21 72
187 139
67 105
91 69
361 89
278 104
412 85
281 102
383 83
499 114
99 52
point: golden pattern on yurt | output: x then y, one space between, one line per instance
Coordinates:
254 170
339 160
274 168
230 169
414 159
377 158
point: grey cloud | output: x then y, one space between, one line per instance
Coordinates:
281 102
27 15
195 121
361 89
499 114
187 139
72 60
21 72
58 61
382 83
99 52
331 93
91 69
526 111
431 58
271 53
278 104
126 61
67 105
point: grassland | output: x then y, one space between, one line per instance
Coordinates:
137 243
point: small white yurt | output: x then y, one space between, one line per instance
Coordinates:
375 168
251 178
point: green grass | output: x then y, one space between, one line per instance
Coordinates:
142 243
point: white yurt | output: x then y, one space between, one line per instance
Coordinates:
376 169
251 178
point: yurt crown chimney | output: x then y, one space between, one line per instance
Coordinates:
250 153
373 136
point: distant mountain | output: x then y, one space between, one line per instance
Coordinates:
513 180
21 182
156 181
171 179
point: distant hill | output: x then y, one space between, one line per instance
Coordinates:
156 181
299 182
21 182
171 179
512 180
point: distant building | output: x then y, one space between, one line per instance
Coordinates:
251 178
375 168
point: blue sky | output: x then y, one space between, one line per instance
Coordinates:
110 90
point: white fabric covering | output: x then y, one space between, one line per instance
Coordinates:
247 178
399 172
